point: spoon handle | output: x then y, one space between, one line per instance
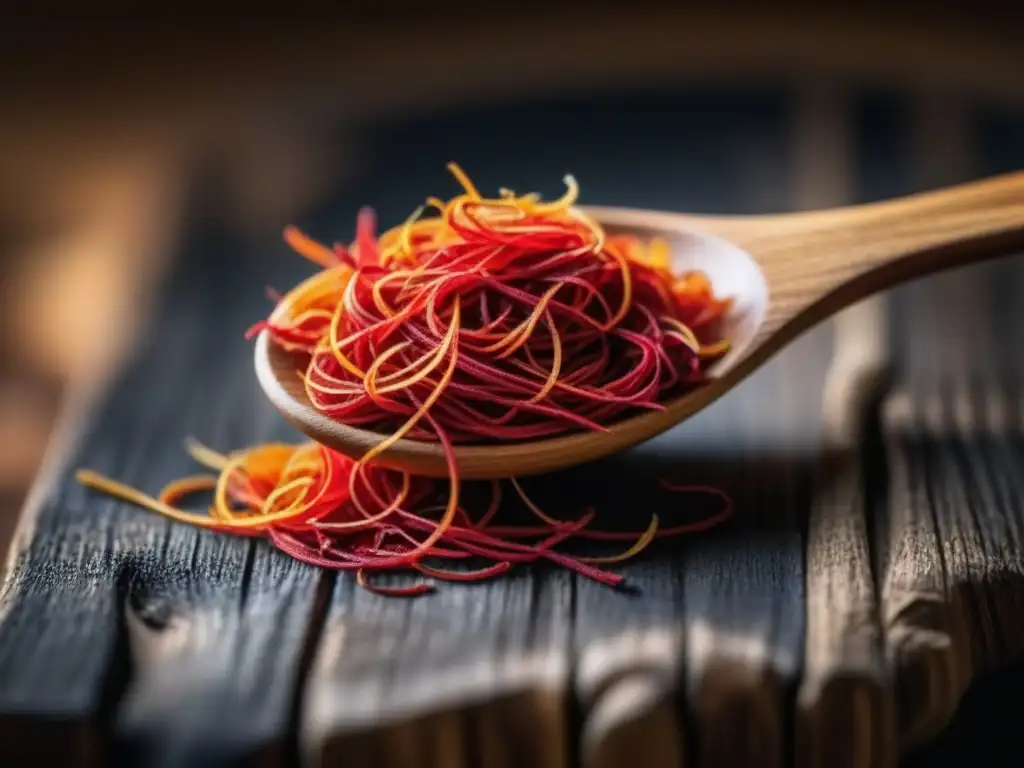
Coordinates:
821 261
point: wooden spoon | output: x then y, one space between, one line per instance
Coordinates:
785 273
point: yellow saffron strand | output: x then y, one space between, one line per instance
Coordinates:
531 323
627 285
119 490
310 248
449 346
567 200
186 486
463 179
335 347
368 519
544 517
640 545
556 361
205 456
370 380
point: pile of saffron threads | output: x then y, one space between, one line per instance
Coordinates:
493 320
301 498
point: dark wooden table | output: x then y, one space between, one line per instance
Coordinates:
872 570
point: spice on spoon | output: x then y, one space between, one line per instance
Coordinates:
494 320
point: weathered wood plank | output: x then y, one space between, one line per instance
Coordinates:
701 629
844 703
953 577
216 626
629 657
745 587
211 627
845 695
51 704
471 675
956 457
845 700
924 626
957 414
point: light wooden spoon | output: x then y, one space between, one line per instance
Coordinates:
785 273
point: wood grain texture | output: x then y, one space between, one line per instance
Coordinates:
51 708
693 659
745 609
844 711
963 406
216 626
963 419
955 459
471 675
845 714
926 628
629 662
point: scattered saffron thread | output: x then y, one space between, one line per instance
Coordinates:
299 496
495 320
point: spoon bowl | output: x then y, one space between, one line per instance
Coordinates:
785 273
